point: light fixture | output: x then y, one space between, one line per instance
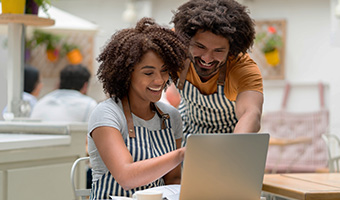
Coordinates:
337 9
129 15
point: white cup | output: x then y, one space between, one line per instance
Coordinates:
148 195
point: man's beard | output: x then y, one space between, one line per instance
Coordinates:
205 73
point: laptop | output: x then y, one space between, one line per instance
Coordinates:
220 166
224 166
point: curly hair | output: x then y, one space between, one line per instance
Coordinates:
227 18
126 48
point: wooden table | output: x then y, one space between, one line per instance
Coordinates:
307 186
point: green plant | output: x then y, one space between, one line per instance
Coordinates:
40 37
44 4
269 40
66 47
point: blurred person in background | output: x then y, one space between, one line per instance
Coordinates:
68 103
32 88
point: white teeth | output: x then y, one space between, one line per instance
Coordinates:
156 89
205 64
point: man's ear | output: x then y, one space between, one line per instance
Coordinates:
83 90
57 85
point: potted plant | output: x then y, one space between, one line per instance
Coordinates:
13 7
50 40
32 6
72 53
270 42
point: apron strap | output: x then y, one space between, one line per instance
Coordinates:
163 116
221 76
128 116
183 74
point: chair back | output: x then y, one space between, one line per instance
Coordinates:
79 193
333 147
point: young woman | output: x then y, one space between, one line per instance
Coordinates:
134 140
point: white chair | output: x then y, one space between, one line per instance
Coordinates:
83 193
333 147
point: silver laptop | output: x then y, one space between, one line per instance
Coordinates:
224 166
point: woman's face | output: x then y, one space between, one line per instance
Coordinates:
148 79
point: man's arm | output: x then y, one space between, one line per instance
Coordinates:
248 112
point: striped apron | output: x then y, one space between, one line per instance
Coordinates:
142 144
205 113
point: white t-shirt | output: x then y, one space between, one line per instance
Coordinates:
109 113
64 105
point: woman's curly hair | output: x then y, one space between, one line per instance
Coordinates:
126 48
227 18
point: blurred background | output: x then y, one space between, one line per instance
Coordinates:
307 43
311 46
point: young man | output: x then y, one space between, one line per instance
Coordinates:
70 102
221 86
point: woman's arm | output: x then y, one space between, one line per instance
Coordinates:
174 176
119 162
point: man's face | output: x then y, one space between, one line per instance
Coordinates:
208 52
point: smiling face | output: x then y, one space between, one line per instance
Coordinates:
208 52
148 79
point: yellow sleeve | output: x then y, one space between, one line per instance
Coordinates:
242 75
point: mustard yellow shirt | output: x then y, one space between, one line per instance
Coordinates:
242 74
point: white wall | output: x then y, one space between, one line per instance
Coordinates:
3 74
310 55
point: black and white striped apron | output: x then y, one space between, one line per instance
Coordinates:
205 113
142 144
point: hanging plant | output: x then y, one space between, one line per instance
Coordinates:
32 6
270 42
269 39
44 4
72 53
54 48
52 54
51 41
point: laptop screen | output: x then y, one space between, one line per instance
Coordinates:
224 166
